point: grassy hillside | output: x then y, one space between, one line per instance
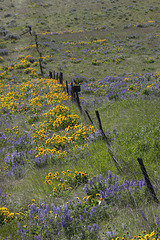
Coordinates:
58 179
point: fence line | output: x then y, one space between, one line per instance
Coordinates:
75 89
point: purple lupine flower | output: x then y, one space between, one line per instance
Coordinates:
65 208
92 211
68 216
89 181
112 233
109 174
33 208
95 227
97 178
130 190
53 208
47 207
79 203
85 211
45 211
102 194
46 232
58 210
157 220
92 180
85 189
89 227
101 177
114 177
30 214
62 221
40 236
81 218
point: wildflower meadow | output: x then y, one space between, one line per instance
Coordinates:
65 171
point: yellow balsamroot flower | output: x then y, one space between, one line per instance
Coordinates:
89 197
82 174
50 182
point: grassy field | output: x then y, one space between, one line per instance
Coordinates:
58 179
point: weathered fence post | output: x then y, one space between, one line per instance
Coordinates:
54 75
40 63
30 30
78 102
72 93
61 78
146 177
57 76
107 142
101 129
67 87
40 54
89 117
50 74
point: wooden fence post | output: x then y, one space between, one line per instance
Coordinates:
40 54
89 117
61 78
57 76
67 87
78 102
146 177
30 30
50 74
107 142
40 64
72 93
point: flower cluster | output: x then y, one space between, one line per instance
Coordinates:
112 189
65 180
18 148
72 133
31 95
131 85
6 216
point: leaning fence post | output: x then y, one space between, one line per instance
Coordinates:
101 129
107 142
146 177
89 117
